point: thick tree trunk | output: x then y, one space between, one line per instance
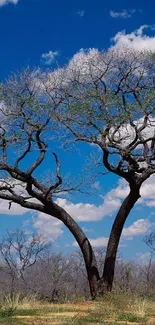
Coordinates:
89 256
106 282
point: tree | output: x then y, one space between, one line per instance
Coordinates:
26 122
104 98
19 252
110 102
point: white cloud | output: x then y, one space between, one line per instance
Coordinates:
84 64
121 191
48 226
139 227
124 13
5 2
80 13
90 212
126 133
19 188
49 58
97 242
136 39
14 210
88 64
147 191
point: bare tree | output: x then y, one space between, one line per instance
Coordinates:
19 252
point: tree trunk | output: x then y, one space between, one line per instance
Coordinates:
106 282
88 254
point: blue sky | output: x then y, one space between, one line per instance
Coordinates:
46 33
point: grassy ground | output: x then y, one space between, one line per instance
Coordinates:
114 309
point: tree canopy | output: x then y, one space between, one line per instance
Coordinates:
104 98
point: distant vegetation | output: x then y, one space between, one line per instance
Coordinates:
30 267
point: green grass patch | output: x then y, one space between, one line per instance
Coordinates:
12 321
131 318
44 310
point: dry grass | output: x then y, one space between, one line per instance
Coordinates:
113 309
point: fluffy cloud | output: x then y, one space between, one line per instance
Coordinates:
90 212
97 242
48 226
49 58
52 228
90 62
15 209
122 14
136 39
139 227
147 191
5 2
83 63
126 133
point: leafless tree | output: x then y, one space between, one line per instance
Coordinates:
19 252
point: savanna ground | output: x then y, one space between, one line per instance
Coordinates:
114 309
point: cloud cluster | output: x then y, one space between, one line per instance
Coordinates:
86 212
138 228
90 212
137 39
48 226
124 13
147 191
15 209
88 64
126 133
5 2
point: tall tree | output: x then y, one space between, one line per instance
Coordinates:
104 98
110 102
